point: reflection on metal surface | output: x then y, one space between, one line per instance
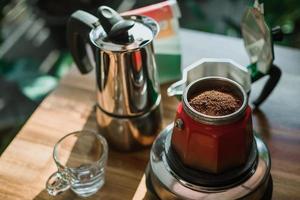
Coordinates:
126 73
168 185
127 82
130 133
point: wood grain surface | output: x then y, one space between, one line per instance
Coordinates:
27 162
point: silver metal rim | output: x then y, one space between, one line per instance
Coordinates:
167 184
177 88
215 120
147 21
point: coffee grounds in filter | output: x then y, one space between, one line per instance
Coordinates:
215 102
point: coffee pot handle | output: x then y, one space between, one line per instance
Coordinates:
78 28
274 76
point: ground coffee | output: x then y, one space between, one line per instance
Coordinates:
215 103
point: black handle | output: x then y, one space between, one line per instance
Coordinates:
277 34
274 76
78 28
115 26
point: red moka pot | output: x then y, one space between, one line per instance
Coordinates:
210 157
213 144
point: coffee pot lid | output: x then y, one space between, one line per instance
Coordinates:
117 33
257 37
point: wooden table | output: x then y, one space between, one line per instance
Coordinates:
27 162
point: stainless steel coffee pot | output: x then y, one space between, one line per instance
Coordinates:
128 94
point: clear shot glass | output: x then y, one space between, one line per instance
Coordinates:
81 160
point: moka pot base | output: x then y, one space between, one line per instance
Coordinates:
167 178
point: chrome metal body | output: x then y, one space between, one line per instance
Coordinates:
226 68
169 186
130 133
128 92
126 74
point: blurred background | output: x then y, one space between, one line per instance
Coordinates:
34 56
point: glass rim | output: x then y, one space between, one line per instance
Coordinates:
98 136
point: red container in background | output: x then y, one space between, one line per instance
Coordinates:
213 144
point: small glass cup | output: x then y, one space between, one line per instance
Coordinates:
81 160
